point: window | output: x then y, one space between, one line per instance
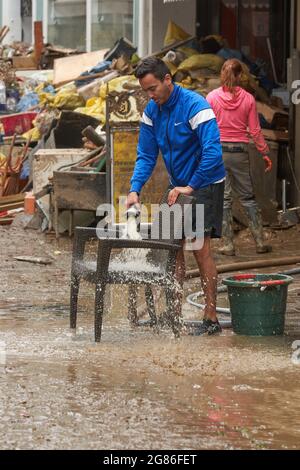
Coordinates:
67 23
111 20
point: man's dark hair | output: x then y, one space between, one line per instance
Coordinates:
152 65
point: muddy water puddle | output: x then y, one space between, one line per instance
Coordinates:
141 390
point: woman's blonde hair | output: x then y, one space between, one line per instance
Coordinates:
231 74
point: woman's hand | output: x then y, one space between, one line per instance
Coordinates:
268 163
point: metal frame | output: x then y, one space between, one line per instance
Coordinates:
100 274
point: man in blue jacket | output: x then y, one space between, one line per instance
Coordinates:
181 124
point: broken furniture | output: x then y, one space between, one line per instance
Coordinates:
67 69
103 271
67 132
77 191
44 163
9 207
10 172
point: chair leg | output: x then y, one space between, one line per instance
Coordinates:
74 301
132 305
99 307
174 307
150 305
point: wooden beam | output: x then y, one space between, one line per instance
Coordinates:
38 40
10 199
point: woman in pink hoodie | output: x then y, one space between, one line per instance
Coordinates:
238 120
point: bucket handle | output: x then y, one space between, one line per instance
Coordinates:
249 277
244 277
272 283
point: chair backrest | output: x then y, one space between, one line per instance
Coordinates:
168 224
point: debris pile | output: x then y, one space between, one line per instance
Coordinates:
48 109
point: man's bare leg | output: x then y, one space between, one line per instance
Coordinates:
208 273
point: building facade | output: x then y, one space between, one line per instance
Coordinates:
88 25
267 30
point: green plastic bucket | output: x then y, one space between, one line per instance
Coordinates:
258 303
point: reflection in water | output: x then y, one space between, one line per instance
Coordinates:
141 390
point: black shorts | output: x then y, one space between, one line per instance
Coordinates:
212 198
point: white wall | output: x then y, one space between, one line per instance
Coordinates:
11 17
181 12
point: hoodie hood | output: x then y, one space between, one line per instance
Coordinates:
228 100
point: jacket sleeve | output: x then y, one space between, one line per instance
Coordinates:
210 167
147 153
255 130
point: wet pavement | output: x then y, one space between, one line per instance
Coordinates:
137 389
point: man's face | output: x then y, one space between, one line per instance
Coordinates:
156 89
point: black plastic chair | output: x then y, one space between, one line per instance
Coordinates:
102 272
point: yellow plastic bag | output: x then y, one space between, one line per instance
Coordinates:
187 51
33 133
46 98
2 160
117 84
68 100
199 61
174 34
95 107
171 67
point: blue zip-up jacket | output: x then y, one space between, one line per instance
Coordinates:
185 130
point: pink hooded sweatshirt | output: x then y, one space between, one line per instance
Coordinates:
237 117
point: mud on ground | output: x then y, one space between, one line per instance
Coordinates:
137 389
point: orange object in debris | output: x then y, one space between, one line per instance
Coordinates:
29 204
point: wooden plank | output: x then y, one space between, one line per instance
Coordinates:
27 63
3 33
11 199
171 47
34 260
38 40
11 206
68 69
6 220
61 50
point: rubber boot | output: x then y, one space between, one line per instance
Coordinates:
227 234
256 227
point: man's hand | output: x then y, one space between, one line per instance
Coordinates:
132 199
268 163
173 195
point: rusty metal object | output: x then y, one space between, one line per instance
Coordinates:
90 133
